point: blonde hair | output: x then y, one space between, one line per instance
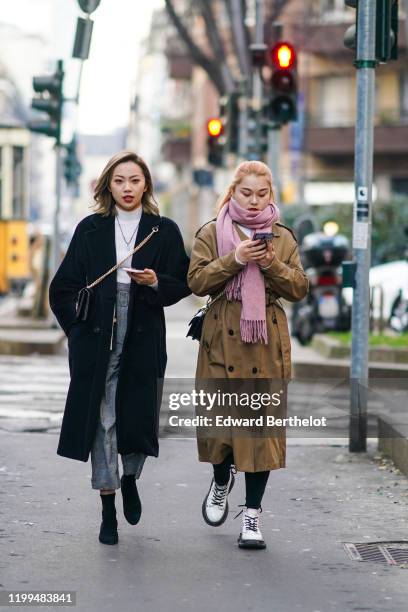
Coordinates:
104 202
244 169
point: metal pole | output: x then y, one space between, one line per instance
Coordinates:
57 238
273 154
273 159
257 97
243 120
363 175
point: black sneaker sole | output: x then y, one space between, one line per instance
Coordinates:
251 544
224 516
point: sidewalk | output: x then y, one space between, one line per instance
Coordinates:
173 561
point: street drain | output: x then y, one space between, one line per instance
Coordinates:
391 553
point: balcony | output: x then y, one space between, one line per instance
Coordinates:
176 146
339 141
326 39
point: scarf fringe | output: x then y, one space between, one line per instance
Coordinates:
253 331
233 289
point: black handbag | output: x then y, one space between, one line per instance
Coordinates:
195 328
83 303
84 299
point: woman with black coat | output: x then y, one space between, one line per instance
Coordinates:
117 356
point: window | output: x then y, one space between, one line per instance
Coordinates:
404 96
332 10
335 102
399 186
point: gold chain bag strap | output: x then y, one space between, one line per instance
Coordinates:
84 300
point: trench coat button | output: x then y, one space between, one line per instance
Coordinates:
231 332
207 346
139 328
230 368
97 330
254 370
274 320
215 316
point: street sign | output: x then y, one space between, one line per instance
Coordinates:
89 6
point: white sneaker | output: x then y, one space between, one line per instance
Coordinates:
251 536
215 504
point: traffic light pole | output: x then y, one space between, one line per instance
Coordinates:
273 158
363 173
257 92
56 240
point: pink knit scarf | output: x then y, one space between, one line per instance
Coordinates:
248 285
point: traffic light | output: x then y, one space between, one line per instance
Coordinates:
215 131
283 90
350 36
72 165
89 6
386 42
386 30
49 102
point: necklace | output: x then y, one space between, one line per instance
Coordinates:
123 235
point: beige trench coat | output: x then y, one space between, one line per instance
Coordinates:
223 355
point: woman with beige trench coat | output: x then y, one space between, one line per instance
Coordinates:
245 333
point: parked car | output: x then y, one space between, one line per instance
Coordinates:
389 284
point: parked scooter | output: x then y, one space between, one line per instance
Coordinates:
399 312
324 307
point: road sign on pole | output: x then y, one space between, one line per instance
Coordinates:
363 176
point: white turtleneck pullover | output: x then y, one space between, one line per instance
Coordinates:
129 222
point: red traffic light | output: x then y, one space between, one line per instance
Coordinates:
214 127
283 55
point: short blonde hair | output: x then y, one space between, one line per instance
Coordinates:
246 168
104 202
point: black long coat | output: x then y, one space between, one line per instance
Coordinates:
91 253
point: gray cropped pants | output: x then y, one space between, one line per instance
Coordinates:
104 452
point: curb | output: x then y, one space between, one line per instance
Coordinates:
393 439
29 341
340 368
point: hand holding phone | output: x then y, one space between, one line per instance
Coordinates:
130 270
265 236
142 277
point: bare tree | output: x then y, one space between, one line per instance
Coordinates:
215 64
236 10
209 64
216 43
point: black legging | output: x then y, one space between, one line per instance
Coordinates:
255 482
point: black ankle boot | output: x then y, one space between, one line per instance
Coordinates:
108 533
132 507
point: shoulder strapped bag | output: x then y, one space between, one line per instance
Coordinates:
84 299
195 328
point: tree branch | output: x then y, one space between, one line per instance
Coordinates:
236 12
216 43
210 66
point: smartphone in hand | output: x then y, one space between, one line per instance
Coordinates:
132 270
265 236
